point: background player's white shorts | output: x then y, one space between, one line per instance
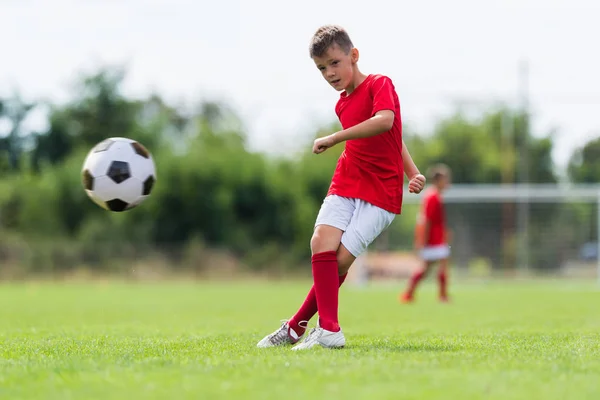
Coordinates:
361 221
435 253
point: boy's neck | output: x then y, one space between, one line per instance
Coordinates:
358 78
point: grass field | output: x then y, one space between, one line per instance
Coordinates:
197 341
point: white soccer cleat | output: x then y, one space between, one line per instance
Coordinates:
281 337
321 337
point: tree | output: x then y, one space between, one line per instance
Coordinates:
99 110
584 165
481 151
13 140
489 150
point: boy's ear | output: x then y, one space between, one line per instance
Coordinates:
354 55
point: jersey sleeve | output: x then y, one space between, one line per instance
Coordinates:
382 91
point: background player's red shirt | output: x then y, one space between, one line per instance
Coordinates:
371 169
434 214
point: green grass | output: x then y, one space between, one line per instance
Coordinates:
197 341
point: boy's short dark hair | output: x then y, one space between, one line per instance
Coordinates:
437 171
326 36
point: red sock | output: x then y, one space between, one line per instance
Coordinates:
308 309
442 278
326 284
414 281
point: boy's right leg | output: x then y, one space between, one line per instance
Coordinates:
443 280
324 245
325 267
308 309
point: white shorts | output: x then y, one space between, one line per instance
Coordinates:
361 221
435 253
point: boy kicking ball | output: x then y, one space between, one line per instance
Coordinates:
431 239
366 189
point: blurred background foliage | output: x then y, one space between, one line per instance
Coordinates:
215 201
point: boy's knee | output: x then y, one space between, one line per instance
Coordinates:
325 238
316 243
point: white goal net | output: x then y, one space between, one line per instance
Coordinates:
510 230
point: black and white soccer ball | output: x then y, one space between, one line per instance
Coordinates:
118 174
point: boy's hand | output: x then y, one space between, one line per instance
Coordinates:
416 184
322 144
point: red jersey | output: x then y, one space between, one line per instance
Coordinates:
371 169
432 212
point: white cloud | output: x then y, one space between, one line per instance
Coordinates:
255 54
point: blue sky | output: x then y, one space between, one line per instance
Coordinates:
254 54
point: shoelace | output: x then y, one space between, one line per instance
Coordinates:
281 335
314 334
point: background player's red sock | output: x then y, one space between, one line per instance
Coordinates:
414 281
443 280
308 309
326 284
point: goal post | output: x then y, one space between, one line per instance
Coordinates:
530 229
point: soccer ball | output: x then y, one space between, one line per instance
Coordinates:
118 174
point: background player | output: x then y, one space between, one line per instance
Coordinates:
431 235
366 189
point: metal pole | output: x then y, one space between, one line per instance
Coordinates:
523 210
598 238
507 169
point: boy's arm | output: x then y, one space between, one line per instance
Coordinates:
416 180
410 168
421 232
384 100
381 122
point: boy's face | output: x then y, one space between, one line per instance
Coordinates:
443 182
337 67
